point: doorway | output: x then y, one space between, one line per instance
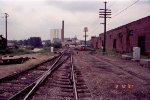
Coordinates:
114 44
141 44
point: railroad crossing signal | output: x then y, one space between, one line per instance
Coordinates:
104 13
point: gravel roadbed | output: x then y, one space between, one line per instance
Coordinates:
111 78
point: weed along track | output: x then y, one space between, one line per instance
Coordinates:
55 80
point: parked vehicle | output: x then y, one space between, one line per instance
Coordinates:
82 48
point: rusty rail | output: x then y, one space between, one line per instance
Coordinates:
73 79
44 76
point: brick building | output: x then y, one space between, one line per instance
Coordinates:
94 42
124 38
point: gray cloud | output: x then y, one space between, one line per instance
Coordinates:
76 6
19 9
36 18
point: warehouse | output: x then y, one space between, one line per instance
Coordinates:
124 38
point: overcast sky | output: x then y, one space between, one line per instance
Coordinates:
28 18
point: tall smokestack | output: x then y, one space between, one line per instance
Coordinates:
62 32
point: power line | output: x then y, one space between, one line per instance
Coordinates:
117 13
98 24
125 9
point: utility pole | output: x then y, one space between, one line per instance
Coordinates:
75 41
104 14
6 15
85 30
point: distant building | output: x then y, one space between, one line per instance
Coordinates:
55 35
71 42
124 38
46 43
32 42
11 45
36 42
94 42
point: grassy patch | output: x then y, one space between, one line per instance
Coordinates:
15 52
45 50
20 52
109 53
113 53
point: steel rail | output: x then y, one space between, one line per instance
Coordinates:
29 87
44 76
22 91
73 79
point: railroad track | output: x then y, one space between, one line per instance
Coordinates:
12 86
80 89
66 83
26 85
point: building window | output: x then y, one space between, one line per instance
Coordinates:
102 43
130 32
120 35
110 36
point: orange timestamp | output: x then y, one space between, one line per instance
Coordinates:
123 86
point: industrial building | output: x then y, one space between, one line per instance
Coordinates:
57 35
124 38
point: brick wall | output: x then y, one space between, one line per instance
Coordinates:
125 42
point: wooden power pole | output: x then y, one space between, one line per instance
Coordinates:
6 15
104 14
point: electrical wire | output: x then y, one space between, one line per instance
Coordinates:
125 9
117 13
98 24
